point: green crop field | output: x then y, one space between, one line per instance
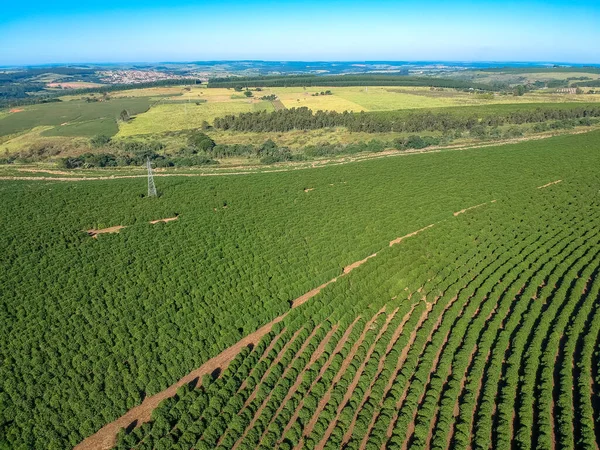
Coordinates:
68 117
479 328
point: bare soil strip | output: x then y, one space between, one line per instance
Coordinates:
94 233
472 207
400 239
354 382
168 219
353 266
115 229
549 184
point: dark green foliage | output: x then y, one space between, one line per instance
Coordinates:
100 140
92 325
397 121
200 142
345 80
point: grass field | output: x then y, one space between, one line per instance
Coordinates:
171 117
490 311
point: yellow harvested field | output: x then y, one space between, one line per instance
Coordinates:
391 98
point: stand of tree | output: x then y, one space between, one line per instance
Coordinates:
305 119
16 94
347 80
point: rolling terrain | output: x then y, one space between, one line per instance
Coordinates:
429 301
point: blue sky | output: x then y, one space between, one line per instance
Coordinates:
35 32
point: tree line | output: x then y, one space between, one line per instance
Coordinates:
347 80
305 119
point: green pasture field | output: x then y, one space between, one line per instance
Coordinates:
91 327
61 114
171 117
90 128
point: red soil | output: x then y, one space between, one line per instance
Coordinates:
325 399
400 239
254 393
336 350
314 357
354 382
268 397
380 366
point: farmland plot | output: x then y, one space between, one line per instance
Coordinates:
435 341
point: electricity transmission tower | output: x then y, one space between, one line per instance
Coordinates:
151 185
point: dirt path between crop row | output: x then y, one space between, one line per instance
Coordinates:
323 369
168 219
105 438
462 211
94 233
300 377
308 429
354 383
549 184
367 394
259 385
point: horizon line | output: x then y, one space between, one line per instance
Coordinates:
283 61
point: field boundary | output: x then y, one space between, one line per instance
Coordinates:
105 438
288 167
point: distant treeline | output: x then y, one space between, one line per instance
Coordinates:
518 70
11 77
591 83
16 94
121 87
305 119
15 87
346 80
